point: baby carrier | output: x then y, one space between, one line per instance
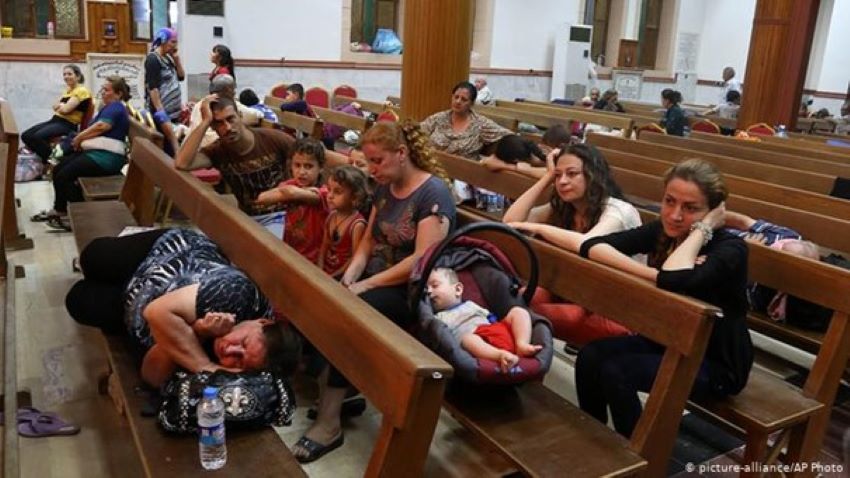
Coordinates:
489 279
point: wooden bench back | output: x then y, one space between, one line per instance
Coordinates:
747 187
808 143
649 311
312 127
814 182
400 376
375 107
736 151
347 121
4 174
556 115
9 134
784 147
505 119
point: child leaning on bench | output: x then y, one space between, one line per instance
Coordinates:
504 341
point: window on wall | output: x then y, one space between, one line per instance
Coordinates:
367 16
650 25
596 14
29 18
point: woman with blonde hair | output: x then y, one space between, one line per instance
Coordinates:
689 253
412 209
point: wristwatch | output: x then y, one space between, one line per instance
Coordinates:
707 233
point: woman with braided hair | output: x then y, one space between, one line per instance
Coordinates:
412 209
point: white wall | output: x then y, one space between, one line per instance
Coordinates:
265 29
524 31
834 73
725 37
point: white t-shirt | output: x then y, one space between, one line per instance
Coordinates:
464 318
623 212
728 86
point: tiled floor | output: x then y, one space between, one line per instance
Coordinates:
60 362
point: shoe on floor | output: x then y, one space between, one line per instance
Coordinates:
59 223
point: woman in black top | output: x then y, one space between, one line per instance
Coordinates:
689 253
674 120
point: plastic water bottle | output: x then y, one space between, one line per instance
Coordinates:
212 447
50 30
780 131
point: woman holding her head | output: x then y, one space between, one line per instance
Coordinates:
674 120
460 130
412 210
68 113
223 61
691 254
100 151
585 202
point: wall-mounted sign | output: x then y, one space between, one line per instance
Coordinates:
130 67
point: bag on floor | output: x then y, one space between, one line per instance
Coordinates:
29 167
251 400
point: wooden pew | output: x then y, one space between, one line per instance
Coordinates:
817 144
752 188
311 127
555 115
8 346
801 163
784 148
374 107
808 181
403 379
573 440
767 404
13 237
347 121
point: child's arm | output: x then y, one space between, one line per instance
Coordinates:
356 235
289 193
361 254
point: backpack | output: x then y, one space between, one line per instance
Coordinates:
28 167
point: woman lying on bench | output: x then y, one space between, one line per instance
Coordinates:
689 253
182 303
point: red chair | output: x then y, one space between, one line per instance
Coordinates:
345 90
387 115
88 115
279 90
761 129
317 96
650 128
706 126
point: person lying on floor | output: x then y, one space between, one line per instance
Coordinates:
182 303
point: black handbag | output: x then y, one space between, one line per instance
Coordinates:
251 400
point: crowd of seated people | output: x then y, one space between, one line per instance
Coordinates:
367 223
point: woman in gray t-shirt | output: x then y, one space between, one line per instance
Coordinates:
412 210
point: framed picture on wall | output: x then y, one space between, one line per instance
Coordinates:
110 28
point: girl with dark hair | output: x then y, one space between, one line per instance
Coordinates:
689 253
585 203
223 61
68 114
515 153
100 151
345 225
460 130
674 120
412 210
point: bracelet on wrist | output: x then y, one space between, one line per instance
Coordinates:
707 232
